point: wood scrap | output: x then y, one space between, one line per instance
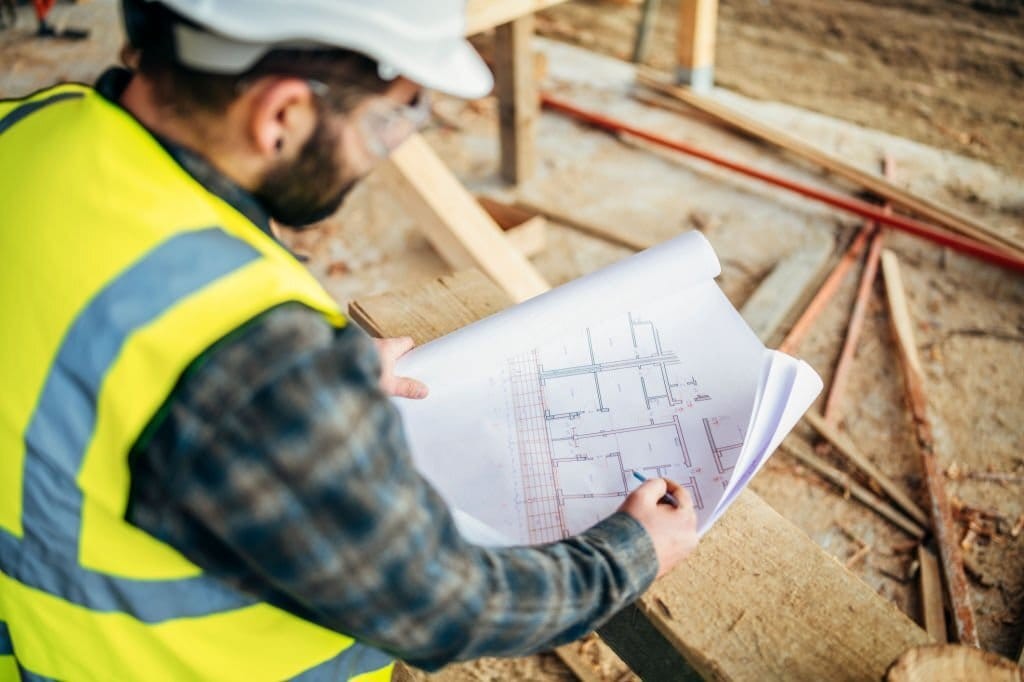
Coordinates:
926 208
827 290
860 304
856 324
932 604
573 660
942 519
801 451
845 446
952 663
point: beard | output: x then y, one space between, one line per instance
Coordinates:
311 188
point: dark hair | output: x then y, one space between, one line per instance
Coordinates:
350 76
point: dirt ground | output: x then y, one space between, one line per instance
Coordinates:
949 73
969 317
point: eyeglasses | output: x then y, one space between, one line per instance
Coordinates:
383 123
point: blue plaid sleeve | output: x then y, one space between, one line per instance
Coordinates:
278 466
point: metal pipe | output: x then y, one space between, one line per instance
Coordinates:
856 206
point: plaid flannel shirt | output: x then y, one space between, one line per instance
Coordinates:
279 466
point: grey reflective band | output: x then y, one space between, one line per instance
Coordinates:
356 660
28 108
61 428
6 645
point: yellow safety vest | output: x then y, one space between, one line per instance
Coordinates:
118 271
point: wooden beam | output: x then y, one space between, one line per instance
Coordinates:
453 222
758 599
790 284
900 198
946 533
695 43
933 609
482 15
518 101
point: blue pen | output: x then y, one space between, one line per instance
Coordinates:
667 498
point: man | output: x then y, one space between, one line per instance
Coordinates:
201 476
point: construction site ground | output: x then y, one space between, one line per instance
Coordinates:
968 315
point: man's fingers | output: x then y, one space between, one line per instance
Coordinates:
681 494
404 387
651 491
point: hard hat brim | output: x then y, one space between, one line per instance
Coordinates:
459 71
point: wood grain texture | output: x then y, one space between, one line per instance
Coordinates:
452 220
758 600
518 100
901 198
430 310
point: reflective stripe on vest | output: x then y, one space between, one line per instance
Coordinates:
84 595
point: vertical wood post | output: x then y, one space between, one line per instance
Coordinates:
518 102
695 47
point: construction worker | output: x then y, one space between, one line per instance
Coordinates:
201 474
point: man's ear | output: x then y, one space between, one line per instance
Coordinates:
282 116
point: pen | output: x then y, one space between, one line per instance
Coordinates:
667 498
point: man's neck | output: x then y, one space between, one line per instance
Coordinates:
139 100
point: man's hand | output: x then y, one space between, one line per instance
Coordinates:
400 387
674 531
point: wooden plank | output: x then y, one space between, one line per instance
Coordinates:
952 663
901 198
758 599
782 292
610 233
853 455
932 606
454 222
946 533
482 15
431 310
518 101
695 43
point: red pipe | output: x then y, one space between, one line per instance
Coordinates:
861 208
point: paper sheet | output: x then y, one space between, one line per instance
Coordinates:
538 415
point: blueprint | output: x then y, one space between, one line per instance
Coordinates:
642 367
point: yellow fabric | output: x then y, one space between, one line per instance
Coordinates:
76 215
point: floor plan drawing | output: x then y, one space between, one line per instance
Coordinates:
591 408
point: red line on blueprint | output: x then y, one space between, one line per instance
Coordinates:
543 512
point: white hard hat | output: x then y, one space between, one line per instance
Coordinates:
422 40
